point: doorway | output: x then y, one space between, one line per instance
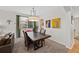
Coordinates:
23 23
75 33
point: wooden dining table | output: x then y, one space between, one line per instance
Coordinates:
38 37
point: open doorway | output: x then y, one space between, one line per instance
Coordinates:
75 33
76 26
23 23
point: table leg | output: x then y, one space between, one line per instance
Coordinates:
38 44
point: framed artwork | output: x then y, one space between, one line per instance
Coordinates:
41 23
56 23
48 23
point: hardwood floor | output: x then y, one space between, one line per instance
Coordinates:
50 47
75 48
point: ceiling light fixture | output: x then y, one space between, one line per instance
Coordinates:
33 16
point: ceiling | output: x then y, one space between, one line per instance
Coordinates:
19 9
27 9
44 11
40 10
73 9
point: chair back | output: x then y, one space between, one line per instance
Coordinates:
26 38
42 31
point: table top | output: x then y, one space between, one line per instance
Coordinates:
37 36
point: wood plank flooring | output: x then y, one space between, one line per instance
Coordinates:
75 48
50 47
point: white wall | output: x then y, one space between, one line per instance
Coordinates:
8 15
58 34
69 31
4 16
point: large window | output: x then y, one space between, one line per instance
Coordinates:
30 24
25 23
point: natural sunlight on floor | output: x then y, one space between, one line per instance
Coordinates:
75 48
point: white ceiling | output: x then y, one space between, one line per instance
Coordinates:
44 11
27 9
67 8
19 9
40 10
75 10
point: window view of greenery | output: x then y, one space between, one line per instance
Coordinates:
30 24
27 25
24 23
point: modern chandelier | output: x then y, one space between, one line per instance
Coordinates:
33 16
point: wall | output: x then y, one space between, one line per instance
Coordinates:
8 15
58 34
61 35
69 31
4 16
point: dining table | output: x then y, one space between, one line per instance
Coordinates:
38 37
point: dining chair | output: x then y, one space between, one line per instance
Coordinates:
43 32
29 43
27 40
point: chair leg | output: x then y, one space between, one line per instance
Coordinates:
25 44
27 47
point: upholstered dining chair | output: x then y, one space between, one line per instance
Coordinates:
43 32
29 43
27 40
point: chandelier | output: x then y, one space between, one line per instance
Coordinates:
33 16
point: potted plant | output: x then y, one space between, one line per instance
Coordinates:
35 29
